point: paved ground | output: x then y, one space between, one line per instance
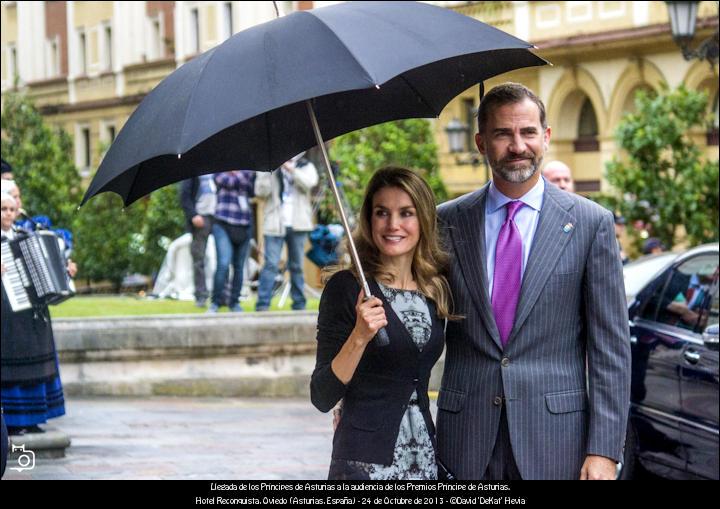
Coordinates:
187 438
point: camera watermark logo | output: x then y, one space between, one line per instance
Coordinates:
26 460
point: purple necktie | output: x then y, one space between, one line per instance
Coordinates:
506 277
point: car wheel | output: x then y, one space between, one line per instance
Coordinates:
629 466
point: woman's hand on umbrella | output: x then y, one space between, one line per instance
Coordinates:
370 318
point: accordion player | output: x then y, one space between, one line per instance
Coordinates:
35 270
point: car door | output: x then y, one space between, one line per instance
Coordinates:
699 377
657 353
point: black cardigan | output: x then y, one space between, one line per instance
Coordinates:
376 398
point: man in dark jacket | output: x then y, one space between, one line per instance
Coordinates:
198 200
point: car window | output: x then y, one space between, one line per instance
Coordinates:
686 299
713 314
639 273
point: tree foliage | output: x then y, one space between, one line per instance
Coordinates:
41 157
662 180
113 241
164 221
110 241
107 238
408 143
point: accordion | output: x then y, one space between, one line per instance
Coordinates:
35 271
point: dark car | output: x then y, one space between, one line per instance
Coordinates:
673 425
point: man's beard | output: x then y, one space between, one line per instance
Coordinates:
514 175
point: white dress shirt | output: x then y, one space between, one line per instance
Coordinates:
526 219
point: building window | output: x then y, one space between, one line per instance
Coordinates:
86 146
83 148
107 136
53 61
13 71
470 120
82 53
712 134
228 15
110 132
156 42
587 186
587 129
108 48
195 30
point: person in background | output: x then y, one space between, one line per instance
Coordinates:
198 197
558 173
31 389
6 171
288 220
232 230
11 188
653 245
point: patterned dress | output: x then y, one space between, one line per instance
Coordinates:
414 457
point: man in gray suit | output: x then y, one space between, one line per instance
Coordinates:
537 374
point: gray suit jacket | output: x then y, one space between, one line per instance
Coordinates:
572 308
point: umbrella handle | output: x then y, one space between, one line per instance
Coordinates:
381 338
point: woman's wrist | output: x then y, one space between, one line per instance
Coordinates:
357 340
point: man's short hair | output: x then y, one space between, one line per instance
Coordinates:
507 93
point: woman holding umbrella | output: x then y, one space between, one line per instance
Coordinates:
386 430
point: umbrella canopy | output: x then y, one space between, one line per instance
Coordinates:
242 104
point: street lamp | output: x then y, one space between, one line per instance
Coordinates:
457 133
683 17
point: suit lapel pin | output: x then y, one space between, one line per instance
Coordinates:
568 227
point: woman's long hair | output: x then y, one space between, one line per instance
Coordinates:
430 262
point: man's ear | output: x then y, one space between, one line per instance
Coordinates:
548 132
480 142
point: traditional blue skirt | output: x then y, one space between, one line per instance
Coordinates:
30 405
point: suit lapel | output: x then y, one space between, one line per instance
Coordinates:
548 244
468 236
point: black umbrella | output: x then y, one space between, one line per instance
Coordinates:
276 89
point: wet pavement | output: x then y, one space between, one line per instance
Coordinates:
188 438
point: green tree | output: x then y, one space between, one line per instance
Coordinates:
163 222
108 239
42 161
408 143
662 179
113 241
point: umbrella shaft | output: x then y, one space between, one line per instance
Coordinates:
336 194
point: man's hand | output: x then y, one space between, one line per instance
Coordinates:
597 468
198 221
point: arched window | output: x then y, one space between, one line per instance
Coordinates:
712 134
587 129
